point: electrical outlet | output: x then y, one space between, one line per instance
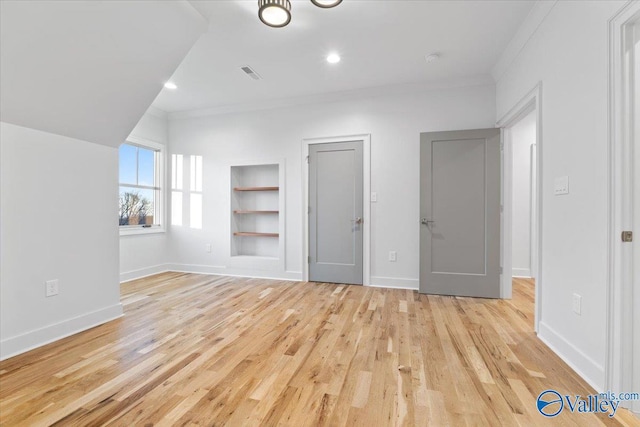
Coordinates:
393 256
207 248
577 304
51 287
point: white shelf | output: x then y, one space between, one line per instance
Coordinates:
255 211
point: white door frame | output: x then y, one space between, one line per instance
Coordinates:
366 200
530 102
620 315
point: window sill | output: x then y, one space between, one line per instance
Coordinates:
137 231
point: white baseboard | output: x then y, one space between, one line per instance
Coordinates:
295 276
28 341
521 272
143 272
583 365
395 283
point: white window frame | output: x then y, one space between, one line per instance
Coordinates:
160 227
195 186
176 187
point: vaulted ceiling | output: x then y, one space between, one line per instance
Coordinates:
381 42
89 69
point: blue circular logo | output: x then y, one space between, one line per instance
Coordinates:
550 403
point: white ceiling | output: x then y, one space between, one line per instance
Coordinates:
382 42
89 69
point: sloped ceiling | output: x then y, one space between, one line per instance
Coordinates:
89 69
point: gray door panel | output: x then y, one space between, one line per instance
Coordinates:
335 203
460 204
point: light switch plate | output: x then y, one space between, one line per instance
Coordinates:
51 288
561 185
374 197
577 304
393 256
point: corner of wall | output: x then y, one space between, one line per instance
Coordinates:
591 371
140 273
33 339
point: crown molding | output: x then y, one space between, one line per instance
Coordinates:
389 90
525 32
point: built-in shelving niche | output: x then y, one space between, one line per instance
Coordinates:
256 219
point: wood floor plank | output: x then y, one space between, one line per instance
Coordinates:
213 350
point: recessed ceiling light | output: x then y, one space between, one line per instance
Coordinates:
170 85
432 57
333 58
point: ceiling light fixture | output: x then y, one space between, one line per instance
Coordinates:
277 13
326 4
170 85
333 58
274 13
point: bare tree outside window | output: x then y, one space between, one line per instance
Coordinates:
135 209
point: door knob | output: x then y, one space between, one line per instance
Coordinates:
427 222
358 220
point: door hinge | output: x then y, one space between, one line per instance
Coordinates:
309 259
501 146
500 270
501 208
627 236
308 209
307 159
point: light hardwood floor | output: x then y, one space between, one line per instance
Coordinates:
210 350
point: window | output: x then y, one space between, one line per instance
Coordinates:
177 162
140 201
195 198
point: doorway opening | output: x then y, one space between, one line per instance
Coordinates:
623 308
521 224
522 145
523 197
635 184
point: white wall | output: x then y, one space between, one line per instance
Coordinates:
58 222
394 122
568 54
144 254
523 136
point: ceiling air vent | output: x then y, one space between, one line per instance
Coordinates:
249 72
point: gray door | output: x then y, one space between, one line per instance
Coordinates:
460 213
335 212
